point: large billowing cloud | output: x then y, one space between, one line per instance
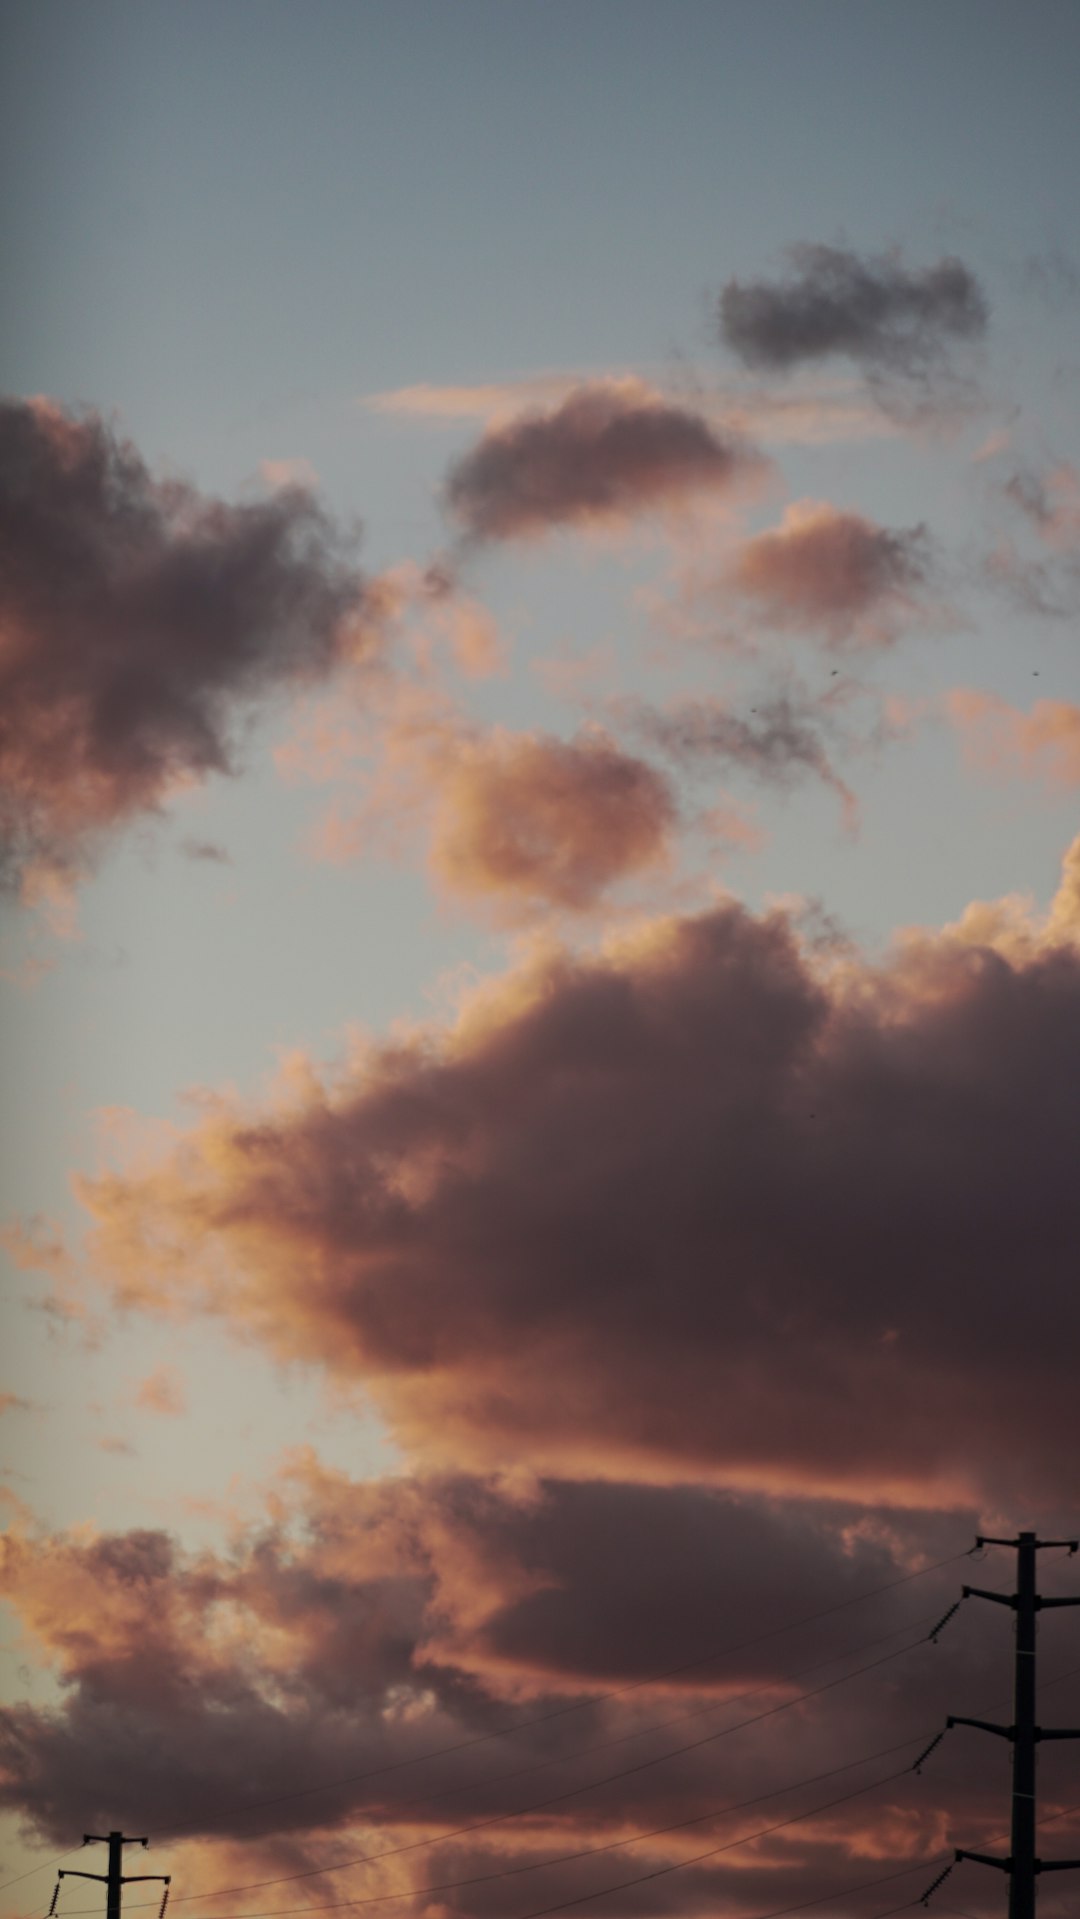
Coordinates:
887 317
835 572
603 1626
140 620
706 1203
607 452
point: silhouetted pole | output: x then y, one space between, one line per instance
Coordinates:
116 1877
1022 1865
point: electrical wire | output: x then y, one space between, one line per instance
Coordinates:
558 1712
614 1845
573 1792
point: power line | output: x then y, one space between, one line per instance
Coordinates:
572 1792
558 1712
613 1845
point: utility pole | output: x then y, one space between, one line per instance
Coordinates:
116 1876
1022 1865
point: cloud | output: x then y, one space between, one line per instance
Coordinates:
144 620
597 459
365 1624
857 582
206 851
162 1391
513 820
1041 744
777 741
888 318
536 818
618 1219
816 411
1045 582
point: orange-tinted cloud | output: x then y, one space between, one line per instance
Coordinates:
141 620
512 819
600 457
162 1391
367 1623
658 1177
532 817
1041 744
836 572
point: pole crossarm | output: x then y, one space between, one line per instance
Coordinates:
985 1859
116 1878
1021 1864
1038 1545
984 1725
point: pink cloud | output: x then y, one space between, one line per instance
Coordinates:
837 572
1041 744
512 820
162 1391
600 457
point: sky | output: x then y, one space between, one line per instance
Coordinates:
539 947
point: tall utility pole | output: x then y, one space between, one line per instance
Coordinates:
116 1876
1022 1864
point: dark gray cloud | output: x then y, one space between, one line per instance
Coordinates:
407 1614
628 1213
602 456
777 742
142 620
872 309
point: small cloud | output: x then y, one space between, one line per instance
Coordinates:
854 580
1042 744
596 460
207 850
1044 580
278 474
1053 276
162 1391
778 741
15 1403
896 323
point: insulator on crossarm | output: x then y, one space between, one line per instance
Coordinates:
932 1635
55 1897
917 1764
164 1901
925 1897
